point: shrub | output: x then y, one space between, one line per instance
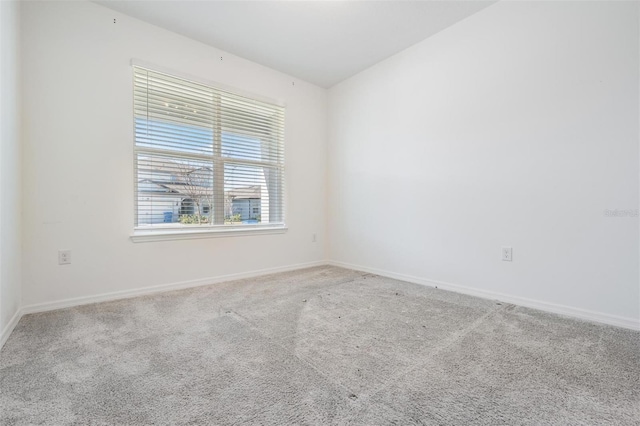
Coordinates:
190 219
233 218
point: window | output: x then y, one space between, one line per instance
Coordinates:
205 158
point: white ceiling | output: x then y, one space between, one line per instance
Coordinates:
322 42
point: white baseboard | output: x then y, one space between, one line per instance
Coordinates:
569 311
8 329
125 294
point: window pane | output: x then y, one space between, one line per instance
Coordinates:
173 190
252 194
176 137
235 145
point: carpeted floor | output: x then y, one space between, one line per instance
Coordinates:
318 346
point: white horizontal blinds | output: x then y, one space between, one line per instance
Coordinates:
173 114
205 157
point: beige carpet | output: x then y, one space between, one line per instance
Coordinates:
317 346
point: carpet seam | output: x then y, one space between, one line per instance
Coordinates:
456 336
276 341
291 334
303 360
363 399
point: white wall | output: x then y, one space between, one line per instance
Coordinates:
78 148
10 203
515 127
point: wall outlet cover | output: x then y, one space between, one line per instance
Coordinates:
507 254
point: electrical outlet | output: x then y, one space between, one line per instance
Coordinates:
64 257
506 254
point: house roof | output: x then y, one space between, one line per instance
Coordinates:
245 192
241 193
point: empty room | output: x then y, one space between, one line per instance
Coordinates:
319 212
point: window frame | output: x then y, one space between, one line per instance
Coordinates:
178 231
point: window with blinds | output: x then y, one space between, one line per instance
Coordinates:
205 157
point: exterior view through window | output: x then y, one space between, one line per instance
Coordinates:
205 157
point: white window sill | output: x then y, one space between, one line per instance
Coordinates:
143 235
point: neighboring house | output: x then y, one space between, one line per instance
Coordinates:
245 201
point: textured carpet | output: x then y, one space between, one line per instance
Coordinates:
318 346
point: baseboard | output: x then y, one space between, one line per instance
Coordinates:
569 311
125 294
8 329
